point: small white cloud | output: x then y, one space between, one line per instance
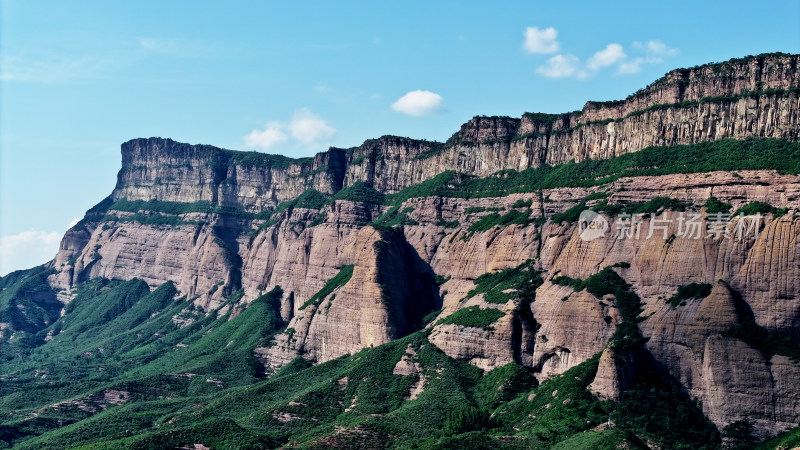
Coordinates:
658 48
653 52
562 66
630 67
541 41
322 88
612 54
27 249
418 103
270 136
305 127
73 222
309 128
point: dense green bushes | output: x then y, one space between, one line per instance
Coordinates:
762 208
689 291
726 154
474 316
489 221
360 192
509 284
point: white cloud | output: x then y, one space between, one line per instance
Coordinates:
270 136
563 66
309 128
418 103
47 69
541 41
305 127
656 48
177 47
630 67
654 53
27 249
610 55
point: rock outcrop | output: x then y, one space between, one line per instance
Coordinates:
230 244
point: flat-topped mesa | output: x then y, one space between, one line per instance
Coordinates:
165 170
770 71
749 97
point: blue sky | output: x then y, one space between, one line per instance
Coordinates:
79 78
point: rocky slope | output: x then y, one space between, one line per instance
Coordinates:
241 236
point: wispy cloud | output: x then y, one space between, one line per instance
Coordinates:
651 52
656 48
419 103
612 54
309 128
51 69
176 47
27 249
541 41
305 128
272 135
567 65
562 66
52 61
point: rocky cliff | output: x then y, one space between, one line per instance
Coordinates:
504 275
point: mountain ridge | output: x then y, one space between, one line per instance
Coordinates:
463 256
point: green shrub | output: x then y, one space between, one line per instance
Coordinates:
688 291
715 206
509 284
339 280
489 221
762 208
360 192
767 342
474 316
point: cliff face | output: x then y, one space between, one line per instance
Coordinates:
756 97
433 258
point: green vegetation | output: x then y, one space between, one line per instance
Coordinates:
200 383
787 439
522 203
27 304
259 159
319 219
341 278
715 206
394 217
767 342
600 284
360 192
489 221
474 316
654 205
629 305
309 199
689 291
509 284
726 154
448 223
573 214
762 208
